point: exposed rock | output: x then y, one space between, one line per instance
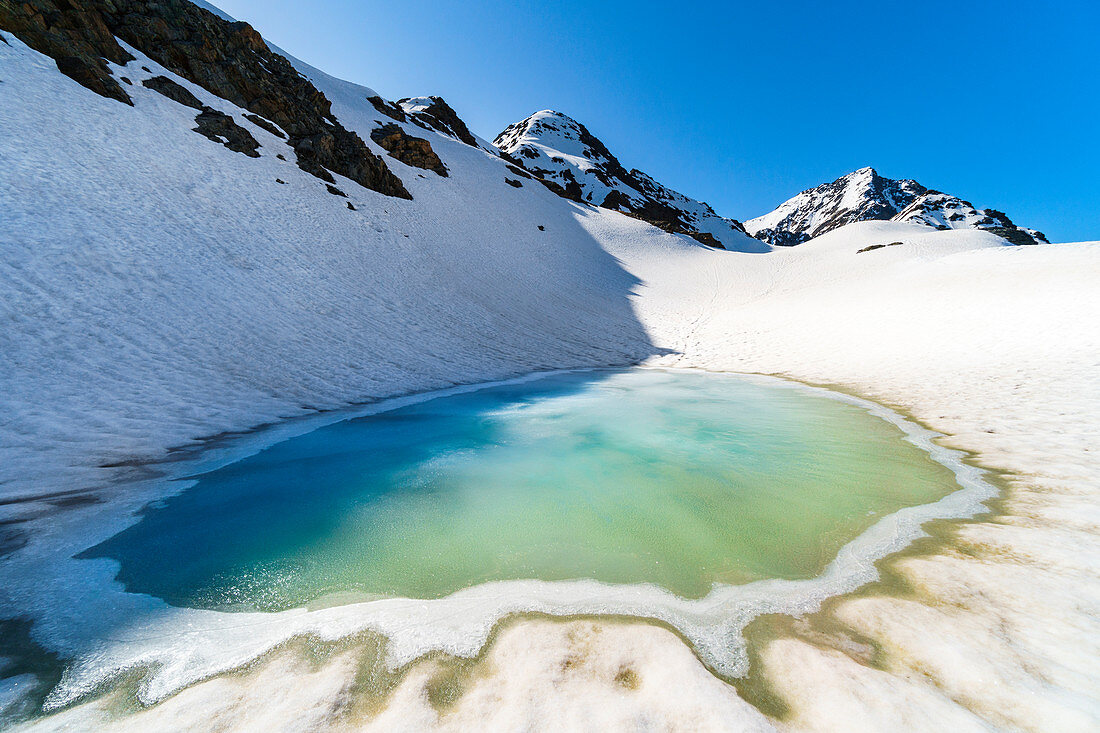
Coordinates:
265 125
352 207
512 182
617 200
516 169
873 247
228 59
223 129
335 191
436 114
173 91
389 109
554 187
409 150
74 35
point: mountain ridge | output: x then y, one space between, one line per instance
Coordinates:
865 195
555 147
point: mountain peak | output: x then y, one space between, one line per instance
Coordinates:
559 149
864 195
857 196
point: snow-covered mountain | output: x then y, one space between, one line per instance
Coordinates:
557 148
864 195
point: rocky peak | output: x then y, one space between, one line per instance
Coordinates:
864 195
560 150
858 196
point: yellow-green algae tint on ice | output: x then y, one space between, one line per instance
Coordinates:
677 479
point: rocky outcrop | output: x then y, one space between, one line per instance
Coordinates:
265 125
173 91
228 59
212 124
221 128
74 35
410 150
433 113
389 109
574 163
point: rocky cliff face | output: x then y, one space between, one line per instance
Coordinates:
558 149
864 195
228 59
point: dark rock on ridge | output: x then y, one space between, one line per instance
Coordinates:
389 109
221 128
229 59
409 150
265 125
862 195
74 36
440 117
173 91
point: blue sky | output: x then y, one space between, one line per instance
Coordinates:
744 104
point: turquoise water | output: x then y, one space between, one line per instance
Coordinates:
682 480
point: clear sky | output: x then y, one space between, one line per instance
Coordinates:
744 104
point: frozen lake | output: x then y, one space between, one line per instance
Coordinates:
680 480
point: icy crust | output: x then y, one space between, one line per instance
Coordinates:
179 646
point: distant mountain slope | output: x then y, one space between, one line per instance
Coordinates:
557 148
864 195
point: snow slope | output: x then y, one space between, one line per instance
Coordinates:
179 290
864 195
557 148
158 287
